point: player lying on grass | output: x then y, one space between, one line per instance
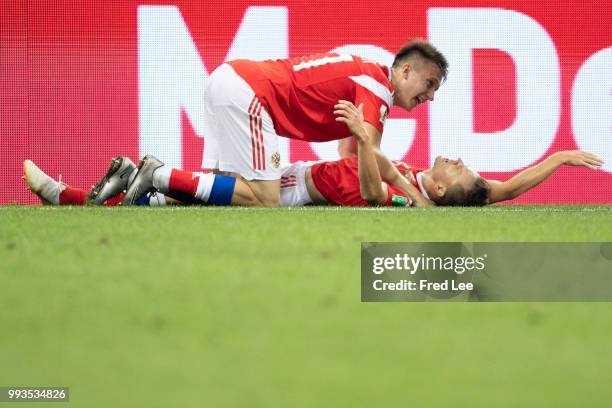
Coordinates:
320 183
352 181
357 181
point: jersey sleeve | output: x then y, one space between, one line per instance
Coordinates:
374 108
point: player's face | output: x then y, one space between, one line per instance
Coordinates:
416 82
449 172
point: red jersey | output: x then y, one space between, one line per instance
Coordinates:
338 182
299 94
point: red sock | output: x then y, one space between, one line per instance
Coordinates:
114 201
184 181
72 196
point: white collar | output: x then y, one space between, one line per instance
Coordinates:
419 179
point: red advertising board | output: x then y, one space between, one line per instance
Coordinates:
84 81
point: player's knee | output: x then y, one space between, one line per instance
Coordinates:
269 200
267 192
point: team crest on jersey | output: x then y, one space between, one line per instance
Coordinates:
275 160
383 113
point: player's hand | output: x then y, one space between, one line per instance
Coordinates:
352 116
580 158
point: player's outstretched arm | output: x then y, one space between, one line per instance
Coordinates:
531 177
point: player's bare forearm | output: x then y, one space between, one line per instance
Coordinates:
348 147
523 181
531 177
370 183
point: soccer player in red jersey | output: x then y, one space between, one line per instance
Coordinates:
249 104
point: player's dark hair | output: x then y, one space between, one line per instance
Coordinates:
477 196
424 50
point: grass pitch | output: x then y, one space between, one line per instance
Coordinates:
229 307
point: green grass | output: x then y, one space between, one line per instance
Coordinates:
214 307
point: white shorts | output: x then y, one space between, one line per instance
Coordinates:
239 135
293 185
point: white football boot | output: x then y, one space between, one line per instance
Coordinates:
47 189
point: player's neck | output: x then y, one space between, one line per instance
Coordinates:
393 79
428 183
